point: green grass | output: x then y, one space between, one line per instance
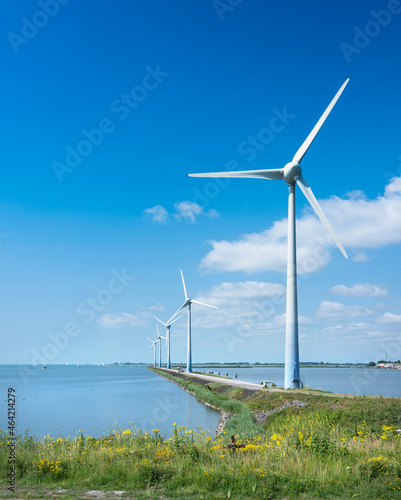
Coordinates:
213 375
332 447
214 393
304 457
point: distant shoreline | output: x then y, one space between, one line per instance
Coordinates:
205 365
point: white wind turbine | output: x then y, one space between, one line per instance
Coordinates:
292 174
154 342
168 326
187 303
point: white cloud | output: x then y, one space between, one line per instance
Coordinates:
360 257
140 318
267 251
157 307
247 290
279 320
336 310
360 290
360 223
394 188
359 326
188 210
365 223
124 319
184 211
389 318
158 213
244 306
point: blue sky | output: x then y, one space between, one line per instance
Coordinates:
107 106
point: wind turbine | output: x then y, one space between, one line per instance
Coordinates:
159 338
187 303
292 174
154 342
168 326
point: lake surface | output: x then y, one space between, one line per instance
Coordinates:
61 400
359 381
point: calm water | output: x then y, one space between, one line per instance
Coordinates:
371 382
60 400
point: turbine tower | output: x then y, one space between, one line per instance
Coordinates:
292 174
168 326
187 303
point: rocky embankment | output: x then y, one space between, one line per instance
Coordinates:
261 416
224 418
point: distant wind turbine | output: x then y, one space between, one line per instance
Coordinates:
187 303
154 342
168 326
292 174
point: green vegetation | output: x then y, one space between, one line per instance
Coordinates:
213 375
221 397
311 446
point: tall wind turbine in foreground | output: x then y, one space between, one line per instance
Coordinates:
168 326
187 303
292 174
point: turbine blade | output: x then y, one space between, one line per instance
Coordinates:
175 314
160 321
176 319
157 328
304 186
183 284
308 141
203 304
274 174
149 339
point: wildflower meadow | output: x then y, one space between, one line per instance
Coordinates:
329 448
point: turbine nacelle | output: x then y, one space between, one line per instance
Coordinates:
291 172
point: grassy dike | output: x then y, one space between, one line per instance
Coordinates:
274 408
296 445
241 421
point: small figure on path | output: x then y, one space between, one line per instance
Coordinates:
233 446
